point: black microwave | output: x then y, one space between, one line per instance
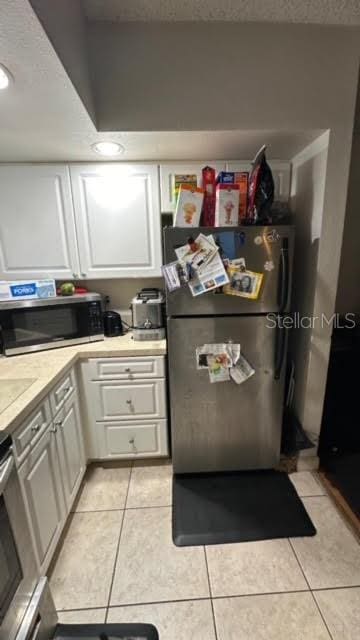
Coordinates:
34 325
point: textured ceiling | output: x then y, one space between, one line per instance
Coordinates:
342 12
42 98
151 146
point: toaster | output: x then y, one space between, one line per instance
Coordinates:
148 315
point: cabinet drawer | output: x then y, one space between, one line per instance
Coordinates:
127 400
30 431
62 391
132 439
126 368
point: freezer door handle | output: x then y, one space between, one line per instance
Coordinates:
283 276
280 349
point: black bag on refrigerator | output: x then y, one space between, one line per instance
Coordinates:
261 190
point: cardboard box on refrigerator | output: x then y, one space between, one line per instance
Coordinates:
188 206
227 205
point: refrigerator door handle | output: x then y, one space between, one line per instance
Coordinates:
283 276
280 349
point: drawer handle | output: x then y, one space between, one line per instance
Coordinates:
35 427
127 370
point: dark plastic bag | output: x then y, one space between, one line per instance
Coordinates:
261 190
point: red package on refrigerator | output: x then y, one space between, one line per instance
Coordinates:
209 186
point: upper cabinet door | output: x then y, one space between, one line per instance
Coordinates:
169 171
280 171
118 219
37 230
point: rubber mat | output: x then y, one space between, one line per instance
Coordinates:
106 632
217 508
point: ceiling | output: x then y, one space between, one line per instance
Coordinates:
43 119
152 146
341 12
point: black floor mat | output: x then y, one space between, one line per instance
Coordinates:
216 508
106 632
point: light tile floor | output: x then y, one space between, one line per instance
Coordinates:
118 564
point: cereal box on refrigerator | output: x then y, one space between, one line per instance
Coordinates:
242 179
227 205
188 206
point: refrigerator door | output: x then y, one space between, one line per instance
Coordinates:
224 426
268 250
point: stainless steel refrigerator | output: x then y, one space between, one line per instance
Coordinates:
226 426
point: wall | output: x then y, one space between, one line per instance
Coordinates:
307 201
64 24
203 76
121 291
348 294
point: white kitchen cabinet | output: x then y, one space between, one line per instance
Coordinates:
118 219
281 174
37 237
43 496
142 438
170 170
70 448
125 400
125 413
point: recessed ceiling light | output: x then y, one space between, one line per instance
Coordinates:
108 148
5 77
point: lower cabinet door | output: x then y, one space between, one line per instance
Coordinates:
70 449
43 496
144 439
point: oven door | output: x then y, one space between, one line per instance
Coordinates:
35 326
18 572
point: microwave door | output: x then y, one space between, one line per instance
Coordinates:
34 328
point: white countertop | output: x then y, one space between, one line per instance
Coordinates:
46 367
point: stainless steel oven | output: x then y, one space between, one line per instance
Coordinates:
34 325
18 572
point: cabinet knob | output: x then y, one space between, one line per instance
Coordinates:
66 390
54 430
132 440
35 427
128 401
75 275
83 275
127 370
58 423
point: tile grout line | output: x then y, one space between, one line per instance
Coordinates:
118 544
210 592
312 595
339 513
201 598
154 506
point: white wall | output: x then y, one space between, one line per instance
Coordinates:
64 24
121 291
203 76
307 202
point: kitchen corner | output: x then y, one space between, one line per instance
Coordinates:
46 368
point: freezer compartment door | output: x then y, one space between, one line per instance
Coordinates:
224 426
266 250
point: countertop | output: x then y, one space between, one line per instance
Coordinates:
47 367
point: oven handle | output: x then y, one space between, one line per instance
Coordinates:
5 470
